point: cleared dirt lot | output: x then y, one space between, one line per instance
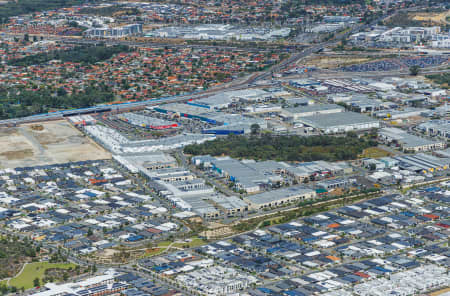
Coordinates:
46 143
435 18
332 62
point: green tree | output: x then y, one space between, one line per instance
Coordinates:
255 129
414 70
36 282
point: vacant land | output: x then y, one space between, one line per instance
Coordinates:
333 62
416 19
35 270
47 143
374 152
440 292
192 242
438 18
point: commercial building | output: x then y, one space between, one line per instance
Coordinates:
82 120
265 108
400 114
217 280
188 111
180 187
408 142
294 113
408 35
340 122
436 128
443 43
249 176
333 184
147 121
115 32
249 95
304 83
97 285
230 205
317 170
280 197
234 124
219 32
225 123
361 103
118 144
218 101
150 161
422 163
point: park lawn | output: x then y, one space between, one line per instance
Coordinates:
35 270
153 252
193 243
164 244
374 152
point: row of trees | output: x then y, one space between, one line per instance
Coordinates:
80 54
284 148
25 103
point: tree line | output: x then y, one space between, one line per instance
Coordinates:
25 103
79 54
284 148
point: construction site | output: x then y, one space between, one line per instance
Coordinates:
46 143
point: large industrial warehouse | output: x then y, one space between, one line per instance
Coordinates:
340 122
276 198
294 113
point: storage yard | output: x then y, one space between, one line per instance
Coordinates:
46 143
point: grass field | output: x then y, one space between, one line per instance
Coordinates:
35 270
192 242
164 246
374 152
153 252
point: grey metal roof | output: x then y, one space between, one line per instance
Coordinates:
324 121
274 195
314 108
